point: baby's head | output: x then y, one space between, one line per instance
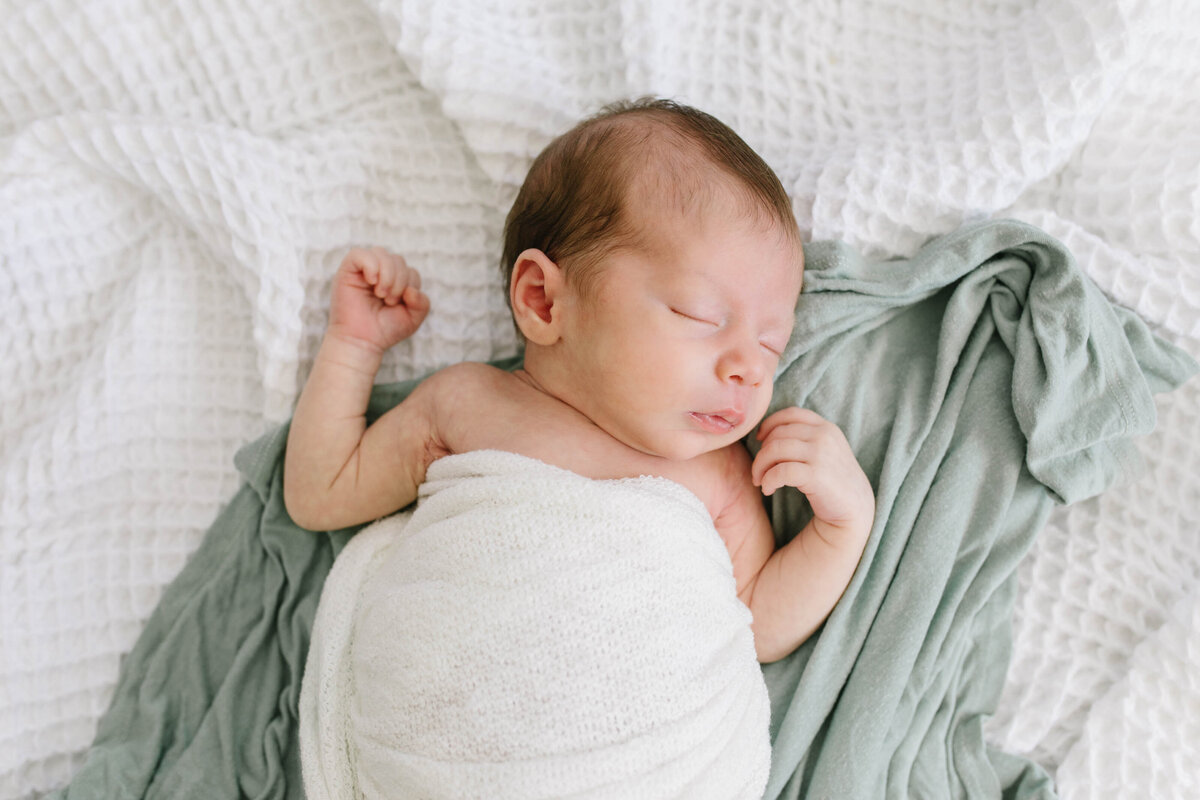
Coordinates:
653 264
591 190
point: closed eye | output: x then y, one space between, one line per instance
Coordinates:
775 351
692 317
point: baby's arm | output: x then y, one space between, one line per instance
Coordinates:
337 471
793 589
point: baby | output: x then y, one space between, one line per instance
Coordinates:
653 267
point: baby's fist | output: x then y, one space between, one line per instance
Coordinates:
804 450
376 298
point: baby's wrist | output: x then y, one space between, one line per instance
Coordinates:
351 352
849 533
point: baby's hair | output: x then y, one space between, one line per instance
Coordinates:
573 204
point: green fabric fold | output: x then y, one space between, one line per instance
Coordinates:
979 382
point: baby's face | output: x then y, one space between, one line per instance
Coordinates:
676 354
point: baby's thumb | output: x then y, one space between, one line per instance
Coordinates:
417 303
415 299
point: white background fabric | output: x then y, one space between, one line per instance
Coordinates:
179 181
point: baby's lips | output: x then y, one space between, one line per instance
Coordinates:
733 416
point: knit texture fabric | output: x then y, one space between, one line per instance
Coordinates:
530 633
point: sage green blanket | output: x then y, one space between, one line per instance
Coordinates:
979 382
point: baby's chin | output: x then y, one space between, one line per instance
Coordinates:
687 445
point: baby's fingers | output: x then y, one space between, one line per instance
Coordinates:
785 473
379 268
393 276
361 262
406 278
776 452
793 415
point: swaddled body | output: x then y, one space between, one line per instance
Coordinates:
529 632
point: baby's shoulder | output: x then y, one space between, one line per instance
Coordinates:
464 382
467 373
471 403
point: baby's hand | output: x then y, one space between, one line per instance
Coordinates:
801 449
376 298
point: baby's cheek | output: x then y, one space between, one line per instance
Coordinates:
762 401
657 369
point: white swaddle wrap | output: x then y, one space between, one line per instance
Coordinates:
528 632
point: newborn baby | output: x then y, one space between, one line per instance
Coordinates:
653 267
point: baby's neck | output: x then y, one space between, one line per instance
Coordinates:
543 371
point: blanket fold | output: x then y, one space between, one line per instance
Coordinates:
526 632
979 382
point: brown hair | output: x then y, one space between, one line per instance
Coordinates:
573 203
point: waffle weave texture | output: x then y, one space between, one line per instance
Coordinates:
179 181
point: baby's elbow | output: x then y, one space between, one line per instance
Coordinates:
768 652
772 643
298 513
300 506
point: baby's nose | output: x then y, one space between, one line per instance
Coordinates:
743 368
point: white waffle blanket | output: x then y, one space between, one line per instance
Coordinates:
179 180
527 632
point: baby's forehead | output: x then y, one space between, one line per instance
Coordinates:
663 222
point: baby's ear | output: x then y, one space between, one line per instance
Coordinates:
537 284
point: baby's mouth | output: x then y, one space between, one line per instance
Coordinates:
721 421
